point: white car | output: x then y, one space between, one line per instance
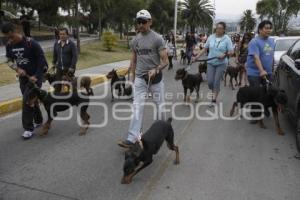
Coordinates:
282 45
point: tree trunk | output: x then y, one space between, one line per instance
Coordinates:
121 30
77 25
100 20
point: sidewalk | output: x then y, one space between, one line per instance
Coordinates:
12 91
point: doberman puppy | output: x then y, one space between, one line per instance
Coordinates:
189 81
140 155
233 72
72 97
268 96
118 83
183 56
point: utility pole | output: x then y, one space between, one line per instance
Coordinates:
175 25
213 21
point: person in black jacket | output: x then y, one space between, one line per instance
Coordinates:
30 62
64 57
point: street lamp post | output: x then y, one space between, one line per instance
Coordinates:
175 25
213 21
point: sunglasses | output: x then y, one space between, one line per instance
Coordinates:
141 21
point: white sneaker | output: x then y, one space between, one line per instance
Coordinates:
27 134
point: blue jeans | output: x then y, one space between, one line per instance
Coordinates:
140 91
214 75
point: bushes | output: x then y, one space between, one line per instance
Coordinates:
109 40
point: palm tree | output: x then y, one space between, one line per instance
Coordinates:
247 21
198 13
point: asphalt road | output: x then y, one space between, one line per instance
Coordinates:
220 159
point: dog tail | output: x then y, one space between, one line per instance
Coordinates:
169 120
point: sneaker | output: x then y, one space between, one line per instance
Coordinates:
212 104
27 135
125 144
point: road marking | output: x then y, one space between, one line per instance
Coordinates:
38 190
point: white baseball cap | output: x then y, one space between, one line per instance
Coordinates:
144 14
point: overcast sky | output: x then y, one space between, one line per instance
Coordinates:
234 7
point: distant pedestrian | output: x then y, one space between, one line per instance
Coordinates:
56 33
31 64
241 57
190 43
25 21
170 49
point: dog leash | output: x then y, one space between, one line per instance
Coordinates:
207 59
147 96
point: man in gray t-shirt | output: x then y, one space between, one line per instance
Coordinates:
149 58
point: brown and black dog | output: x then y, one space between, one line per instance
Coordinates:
189 82
202 67
140 155
118 83
233 73
73 98
183 56
267 96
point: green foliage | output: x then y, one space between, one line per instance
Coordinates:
109 40
198 13
279 12
163 15
247 21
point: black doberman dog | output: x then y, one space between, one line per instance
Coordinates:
202 67
267 96
118 83
49 100
233 73
189 81
140 155
183 56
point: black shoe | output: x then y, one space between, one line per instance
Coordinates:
125 144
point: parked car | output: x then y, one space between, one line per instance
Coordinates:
282 44
287 77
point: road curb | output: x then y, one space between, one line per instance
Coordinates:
13 105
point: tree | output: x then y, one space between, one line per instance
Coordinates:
279 12
162 13
247 21
198 13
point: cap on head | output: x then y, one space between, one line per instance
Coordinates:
143 14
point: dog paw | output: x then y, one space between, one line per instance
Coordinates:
125 180
280 132
43 131
82 131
